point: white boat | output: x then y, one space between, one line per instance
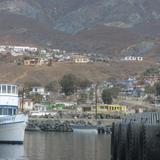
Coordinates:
81 128
12 124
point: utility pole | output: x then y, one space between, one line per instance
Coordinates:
96 98
22 99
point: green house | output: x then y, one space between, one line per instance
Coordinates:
51 106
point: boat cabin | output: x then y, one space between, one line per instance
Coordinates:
8 99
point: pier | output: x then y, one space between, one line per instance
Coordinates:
136 137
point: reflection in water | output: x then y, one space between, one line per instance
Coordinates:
67 146
11 152
58 146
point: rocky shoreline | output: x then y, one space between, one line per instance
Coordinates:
63 125
48 125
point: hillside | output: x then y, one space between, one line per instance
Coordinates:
93 72
107 40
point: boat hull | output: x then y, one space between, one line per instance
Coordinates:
12 130
84 129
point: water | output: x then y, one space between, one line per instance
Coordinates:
58 146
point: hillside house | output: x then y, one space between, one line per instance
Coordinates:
2 48
39 90
31 62
151 80
35 61
132 58
23 48
80 59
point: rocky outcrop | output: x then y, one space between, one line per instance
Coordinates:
104 26
139 49
75 15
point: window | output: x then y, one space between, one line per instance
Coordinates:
1 111
8 89
3 88
14 112
13 89
10 111
16 90
5 111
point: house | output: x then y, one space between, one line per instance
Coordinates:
26 104
40 107
151 80
2 48
128 86
80 59
38 89
132 58
31 62
23 48
36 61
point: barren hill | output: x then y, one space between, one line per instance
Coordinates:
93 72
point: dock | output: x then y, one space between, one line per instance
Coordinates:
136 137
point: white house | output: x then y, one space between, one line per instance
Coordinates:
132 58
23 48
2 48
38 89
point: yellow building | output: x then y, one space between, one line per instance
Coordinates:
105 108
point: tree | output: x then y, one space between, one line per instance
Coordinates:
37 98
150 89
106 96
49 62
83 98
114 91
53 86
68 83
83 84
157 88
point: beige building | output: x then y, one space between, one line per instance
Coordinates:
80 59
31 62
35 61
26 104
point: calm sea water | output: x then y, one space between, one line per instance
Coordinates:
58 146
